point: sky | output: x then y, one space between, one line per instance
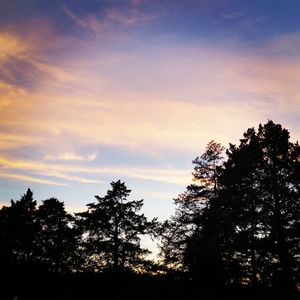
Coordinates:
100 90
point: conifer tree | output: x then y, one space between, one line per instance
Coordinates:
181 232
113 227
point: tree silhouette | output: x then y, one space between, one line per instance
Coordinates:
262 180
181 234
240 224
57 237
18 229
237 224
112 230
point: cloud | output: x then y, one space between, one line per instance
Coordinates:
11 46
155 97
285 46
67 177
70 156
129 18
148 100
67 172
41 169
24 57
11 141
26 178
90 21
112 20
138 2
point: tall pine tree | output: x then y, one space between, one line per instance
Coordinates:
113 227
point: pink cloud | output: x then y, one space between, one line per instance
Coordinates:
90 21
128 17
113 16
138 2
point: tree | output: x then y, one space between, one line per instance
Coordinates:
241 179
183 233
57 237
261 180
113 228
18 229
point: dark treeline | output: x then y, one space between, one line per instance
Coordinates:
235 233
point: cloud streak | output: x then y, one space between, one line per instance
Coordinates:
71 156
26 178
112 20
61 171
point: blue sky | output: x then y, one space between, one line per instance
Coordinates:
95 91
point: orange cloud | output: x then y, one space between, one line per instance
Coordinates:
11 46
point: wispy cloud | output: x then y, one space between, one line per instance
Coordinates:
41 169
129 18
90 21
71 156
24 60
26 178
67 172
111 19
11 46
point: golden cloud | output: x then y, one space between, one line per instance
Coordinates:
71 156
11 46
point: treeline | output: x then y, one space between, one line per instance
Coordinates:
237 225
105 238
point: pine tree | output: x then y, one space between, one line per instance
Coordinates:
113 228
184 231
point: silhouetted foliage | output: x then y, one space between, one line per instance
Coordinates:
57 237
113 228
18 229
236 229
241 224
40 238
179 235
261 179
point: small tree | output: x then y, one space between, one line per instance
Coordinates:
113 228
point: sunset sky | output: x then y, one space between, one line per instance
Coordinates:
100 90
